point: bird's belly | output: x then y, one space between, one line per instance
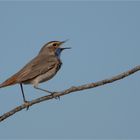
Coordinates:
44 77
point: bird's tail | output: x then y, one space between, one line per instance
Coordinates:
8 82
3 85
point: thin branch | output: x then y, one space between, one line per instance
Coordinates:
69 90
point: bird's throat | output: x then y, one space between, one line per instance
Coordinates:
58 52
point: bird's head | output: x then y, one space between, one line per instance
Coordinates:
53 47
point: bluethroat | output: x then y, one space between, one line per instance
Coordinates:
40 69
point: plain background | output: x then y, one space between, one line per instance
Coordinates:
105 41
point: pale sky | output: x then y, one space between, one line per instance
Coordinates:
105 41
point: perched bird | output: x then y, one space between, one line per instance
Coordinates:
40 69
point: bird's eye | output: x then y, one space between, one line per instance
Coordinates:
54 44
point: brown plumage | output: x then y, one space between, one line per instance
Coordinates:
39 65
40 69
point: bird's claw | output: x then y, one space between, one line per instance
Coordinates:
27 104
56 97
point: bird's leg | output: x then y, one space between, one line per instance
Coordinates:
25 101
52 93
22 93
36 87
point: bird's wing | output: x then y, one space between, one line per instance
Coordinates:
39 65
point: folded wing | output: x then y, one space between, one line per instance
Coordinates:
39 65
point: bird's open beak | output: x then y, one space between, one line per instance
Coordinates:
63 43
65 48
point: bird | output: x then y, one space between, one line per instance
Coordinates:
40 69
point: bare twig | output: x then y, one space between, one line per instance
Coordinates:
70 90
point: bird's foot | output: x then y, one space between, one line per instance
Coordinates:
53 95
27 104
